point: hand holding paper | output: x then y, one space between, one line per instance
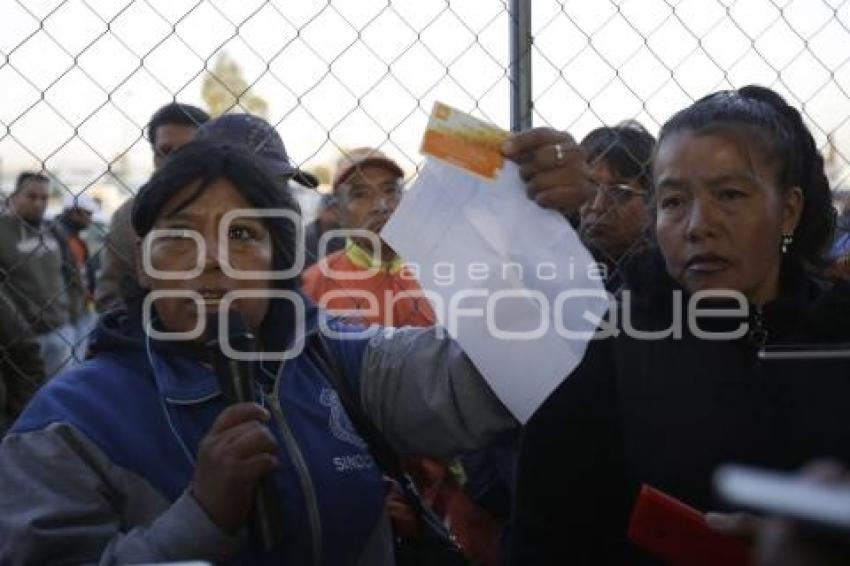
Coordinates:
553 167
509 280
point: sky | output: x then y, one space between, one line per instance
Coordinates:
80 78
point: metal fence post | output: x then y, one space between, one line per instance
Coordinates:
520 64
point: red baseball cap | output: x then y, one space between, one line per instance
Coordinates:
355 159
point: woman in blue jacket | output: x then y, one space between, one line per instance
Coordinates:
135 457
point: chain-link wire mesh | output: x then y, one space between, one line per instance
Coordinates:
597 64
81 79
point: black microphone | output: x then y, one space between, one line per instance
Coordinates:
236 380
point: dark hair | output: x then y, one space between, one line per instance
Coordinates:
175 113
784 139
205 162
27 177
626 148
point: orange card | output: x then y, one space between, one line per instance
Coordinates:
465 141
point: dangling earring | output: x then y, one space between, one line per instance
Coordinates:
787 240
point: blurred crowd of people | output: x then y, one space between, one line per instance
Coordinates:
123 450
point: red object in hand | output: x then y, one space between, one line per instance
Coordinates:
677 533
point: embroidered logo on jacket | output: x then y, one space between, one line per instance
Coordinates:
339 423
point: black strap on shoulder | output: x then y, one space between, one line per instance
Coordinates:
433 529
382 451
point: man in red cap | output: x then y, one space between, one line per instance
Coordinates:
376 282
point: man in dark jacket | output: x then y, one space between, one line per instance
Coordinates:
78 266
31 260
171 127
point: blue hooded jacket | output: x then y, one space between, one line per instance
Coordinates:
147 406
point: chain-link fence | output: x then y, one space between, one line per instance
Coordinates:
595 64
81 79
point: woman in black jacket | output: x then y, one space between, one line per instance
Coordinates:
742 204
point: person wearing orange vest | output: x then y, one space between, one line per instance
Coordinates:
373 285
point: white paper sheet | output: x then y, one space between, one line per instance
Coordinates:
474 241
